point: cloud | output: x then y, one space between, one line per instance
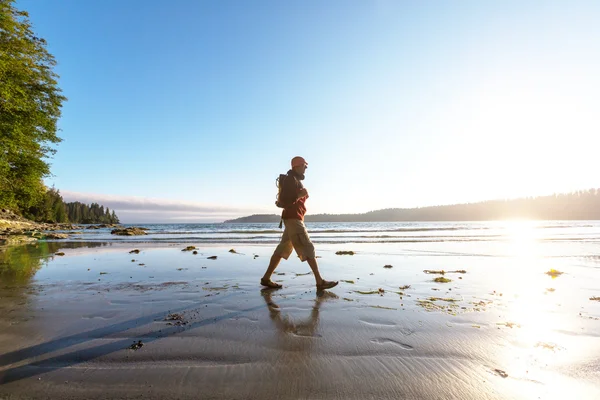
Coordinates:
131 209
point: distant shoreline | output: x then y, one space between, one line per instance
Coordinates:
583 205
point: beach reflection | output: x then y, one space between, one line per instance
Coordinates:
289 326
19 264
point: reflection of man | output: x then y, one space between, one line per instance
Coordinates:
307 327
293 196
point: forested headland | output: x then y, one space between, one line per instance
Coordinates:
30 107
579 205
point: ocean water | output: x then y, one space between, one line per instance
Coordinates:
361 232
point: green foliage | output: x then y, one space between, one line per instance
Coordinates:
30 103
93 214
50 208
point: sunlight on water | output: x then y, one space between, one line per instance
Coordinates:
523 236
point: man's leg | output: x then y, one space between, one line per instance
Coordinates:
321 283
283 250
275 259
306 251
312 263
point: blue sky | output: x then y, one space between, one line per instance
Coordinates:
188 110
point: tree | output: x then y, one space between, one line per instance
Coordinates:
30 106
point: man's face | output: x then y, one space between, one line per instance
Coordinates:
302 168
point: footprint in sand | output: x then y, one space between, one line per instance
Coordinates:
393 342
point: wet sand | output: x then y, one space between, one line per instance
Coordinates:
71 326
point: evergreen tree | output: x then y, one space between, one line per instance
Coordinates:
30 103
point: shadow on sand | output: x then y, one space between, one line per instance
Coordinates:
81 356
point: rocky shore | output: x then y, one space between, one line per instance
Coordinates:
15 229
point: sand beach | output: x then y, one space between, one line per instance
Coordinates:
102 322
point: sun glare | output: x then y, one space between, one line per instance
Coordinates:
522 237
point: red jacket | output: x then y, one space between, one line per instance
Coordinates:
295 208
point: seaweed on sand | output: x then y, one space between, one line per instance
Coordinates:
443 272
554 273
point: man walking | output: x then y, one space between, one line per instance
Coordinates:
293 196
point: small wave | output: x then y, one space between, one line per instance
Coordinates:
350 230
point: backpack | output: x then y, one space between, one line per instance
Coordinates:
279 183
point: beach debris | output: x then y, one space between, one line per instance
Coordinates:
344 252
134 251
442 272
449 300
508 324
379 291
388 266
551 289
460 277
176 319
307 273
136 345
194 252
548 346
501 373
279 273
212 257
132 231
441 279
430 305
132 260
351 282
59 254
189 248
476 326
103 273
404 287
181 269
141 264
595 298
383 308
256 256
554 273
233 251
